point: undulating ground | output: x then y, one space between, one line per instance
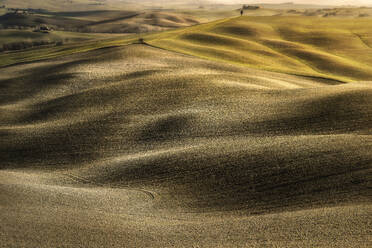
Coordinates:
99 21
12 39
136 146
336 48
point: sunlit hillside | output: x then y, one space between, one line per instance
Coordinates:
252 131
173 150
335 48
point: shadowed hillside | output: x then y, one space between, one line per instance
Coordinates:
147 147
15 40
103 21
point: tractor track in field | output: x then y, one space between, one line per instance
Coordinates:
85 181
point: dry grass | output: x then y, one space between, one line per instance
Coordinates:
104 21
335 48
139 147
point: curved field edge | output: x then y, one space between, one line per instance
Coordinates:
307 46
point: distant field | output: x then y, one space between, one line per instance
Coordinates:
9 36
65 5
335 48
79 26
100 21
144 19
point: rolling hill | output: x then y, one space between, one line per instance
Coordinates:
250 131
66 5
332 48
99 21
322 47
140 146
11 39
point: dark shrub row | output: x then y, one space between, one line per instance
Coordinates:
27 44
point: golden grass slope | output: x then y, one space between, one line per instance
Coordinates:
140 147
100 21
147 21
333 48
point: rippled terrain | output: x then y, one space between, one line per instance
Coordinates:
136 146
